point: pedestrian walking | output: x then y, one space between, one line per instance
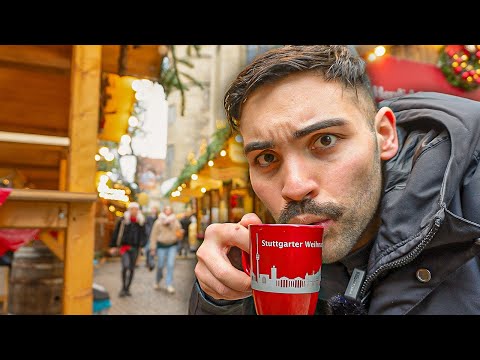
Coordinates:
149 259
163 242
128 238
183 244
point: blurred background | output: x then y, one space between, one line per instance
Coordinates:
87 129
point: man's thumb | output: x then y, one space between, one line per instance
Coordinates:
249 219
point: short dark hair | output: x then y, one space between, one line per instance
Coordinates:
333 62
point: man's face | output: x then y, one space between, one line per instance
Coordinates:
167 210
313 158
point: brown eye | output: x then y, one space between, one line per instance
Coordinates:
265 159
326 141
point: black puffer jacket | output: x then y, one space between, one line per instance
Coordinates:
425 257
133 233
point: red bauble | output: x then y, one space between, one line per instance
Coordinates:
465 75
472 72
478 54
477 80
458 69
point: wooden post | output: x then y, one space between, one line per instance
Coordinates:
83 128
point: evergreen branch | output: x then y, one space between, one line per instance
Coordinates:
175 69
192 79
185 62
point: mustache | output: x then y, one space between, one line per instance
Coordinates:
309 206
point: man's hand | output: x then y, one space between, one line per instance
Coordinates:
113 251
215 273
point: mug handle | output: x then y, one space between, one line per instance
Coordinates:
246 262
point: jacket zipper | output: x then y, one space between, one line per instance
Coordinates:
403 260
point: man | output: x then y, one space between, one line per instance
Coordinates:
149 260
184 244
395 186
163 241
128 237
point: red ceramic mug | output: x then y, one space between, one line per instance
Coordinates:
284 264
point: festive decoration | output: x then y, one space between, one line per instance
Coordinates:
118 99
461 65
218 141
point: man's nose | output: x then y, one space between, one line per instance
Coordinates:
298 181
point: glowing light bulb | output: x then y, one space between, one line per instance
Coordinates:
125 139
103 151
132 121
210 163
380 51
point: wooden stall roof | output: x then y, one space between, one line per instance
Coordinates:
35 83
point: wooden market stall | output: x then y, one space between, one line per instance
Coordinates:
50 122
48 130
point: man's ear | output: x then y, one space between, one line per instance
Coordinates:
386 130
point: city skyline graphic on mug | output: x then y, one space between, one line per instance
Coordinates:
271 283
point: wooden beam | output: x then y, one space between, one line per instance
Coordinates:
83 130
6 136
84 116
53 244
50 195
31 215
38 56
79 253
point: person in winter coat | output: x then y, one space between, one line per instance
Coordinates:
149 260
128 237
396 185
184 244
163 241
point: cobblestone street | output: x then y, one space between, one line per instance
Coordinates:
145 300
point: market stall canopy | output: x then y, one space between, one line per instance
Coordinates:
224 160
35 83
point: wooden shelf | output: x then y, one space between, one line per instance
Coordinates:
49 140
51 196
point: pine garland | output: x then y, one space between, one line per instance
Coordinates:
219 138
461 65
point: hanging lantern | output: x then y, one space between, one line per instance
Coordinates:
118 108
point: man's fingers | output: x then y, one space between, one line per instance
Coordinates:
216 264
249 219
215 288
230 234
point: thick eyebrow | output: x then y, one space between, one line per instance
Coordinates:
257 145
324 124
319 126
